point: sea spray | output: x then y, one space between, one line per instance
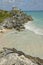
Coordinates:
32 27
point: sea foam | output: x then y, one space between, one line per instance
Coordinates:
32 27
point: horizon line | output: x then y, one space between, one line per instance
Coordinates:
22 10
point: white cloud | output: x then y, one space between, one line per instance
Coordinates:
11 1
8 1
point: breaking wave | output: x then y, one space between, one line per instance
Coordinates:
30 26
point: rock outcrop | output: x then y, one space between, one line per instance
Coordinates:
17 20
13 57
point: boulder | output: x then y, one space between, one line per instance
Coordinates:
8 23
11 56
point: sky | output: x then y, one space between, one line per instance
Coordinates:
22 4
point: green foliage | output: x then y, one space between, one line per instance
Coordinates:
4 14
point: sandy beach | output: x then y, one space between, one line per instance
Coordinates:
25 41
2 38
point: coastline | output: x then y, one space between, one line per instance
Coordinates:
31 44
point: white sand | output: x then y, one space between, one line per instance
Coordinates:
26 41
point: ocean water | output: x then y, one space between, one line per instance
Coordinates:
30 41
37 24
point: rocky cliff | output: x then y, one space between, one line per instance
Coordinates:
14 57
17 20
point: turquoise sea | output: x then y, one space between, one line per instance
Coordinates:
30 41
37 24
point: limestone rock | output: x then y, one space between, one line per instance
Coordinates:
17 20
13 57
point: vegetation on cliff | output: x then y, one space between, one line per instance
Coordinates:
14 19
4 14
